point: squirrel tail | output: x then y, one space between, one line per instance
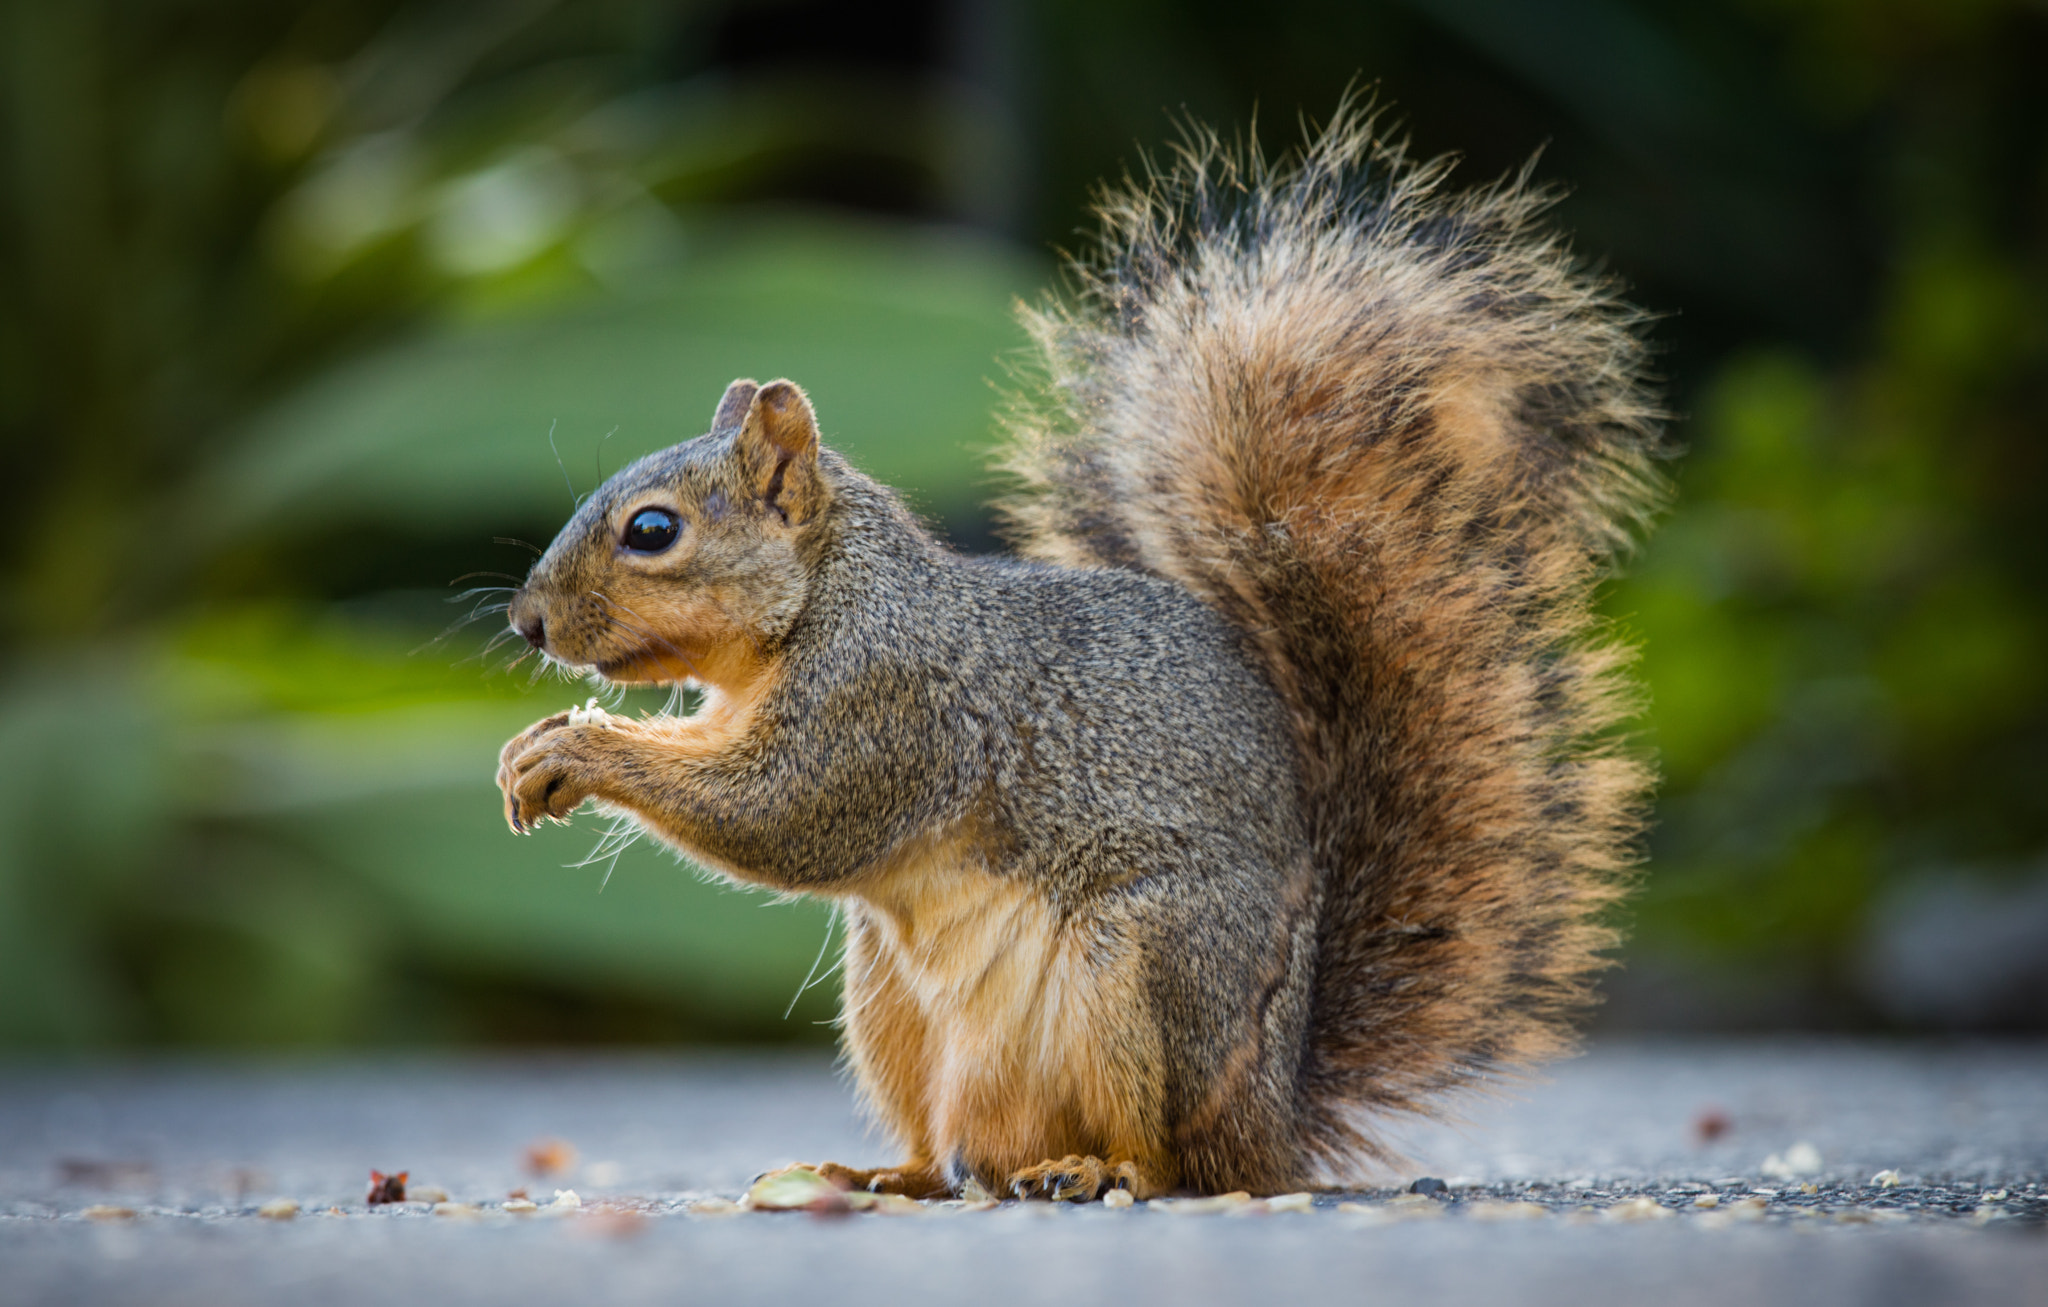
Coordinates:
1398 437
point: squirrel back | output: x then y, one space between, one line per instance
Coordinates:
1396 438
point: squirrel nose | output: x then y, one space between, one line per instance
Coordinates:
529 622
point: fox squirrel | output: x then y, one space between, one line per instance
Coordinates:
1273 787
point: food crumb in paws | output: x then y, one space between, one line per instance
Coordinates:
1118 1198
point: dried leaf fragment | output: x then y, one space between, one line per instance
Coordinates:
797 1189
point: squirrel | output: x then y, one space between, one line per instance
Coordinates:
1276 784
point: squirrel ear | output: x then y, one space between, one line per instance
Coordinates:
732 409
778 448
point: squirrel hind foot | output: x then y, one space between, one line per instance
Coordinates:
912 1179
1078 1179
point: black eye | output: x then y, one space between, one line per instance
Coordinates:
651 530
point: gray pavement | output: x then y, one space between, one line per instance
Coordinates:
142 1182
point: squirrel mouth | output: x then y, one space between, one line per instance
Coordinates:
646 667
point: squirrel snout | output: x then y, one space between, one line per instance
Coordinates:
526 619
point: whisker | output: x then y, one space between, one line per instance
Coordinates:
574 503
831 920
513 540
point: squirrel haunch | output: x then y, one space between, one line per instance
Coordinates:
1274 787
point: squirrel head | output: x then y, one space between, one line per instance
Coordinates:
688 564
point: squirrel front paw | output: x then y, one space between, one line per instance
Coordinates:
550 768
1078 1179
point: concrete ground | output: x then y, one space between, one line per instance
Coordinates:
1697 1172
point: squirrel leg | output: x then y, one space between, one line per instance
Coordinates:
911 1179
1080 1179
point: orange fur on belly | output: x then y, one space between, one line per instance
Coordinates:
987 1030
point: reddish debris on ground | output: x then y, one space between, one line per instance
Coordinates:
549 1157
387 1188
1710 1125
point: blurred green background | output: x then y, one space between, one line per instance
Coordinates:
311 312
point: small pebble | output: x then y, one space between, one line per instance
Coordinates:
108 1212
1800 1159
521 1206
1638 1209
1219 1204
1707 1200
1301 1202
1886 1179
446 1208
1428 1184
1506 1211
566 1200
426 1193
1407 1207
279 1209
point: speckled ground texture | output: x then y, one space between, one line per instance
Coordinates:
142 1182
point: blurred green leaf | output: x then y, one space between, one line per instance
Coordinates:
895 333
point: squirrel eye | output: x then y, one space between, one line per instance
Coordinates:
651 530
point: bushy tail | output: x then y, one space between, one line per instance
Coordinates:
1398 438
